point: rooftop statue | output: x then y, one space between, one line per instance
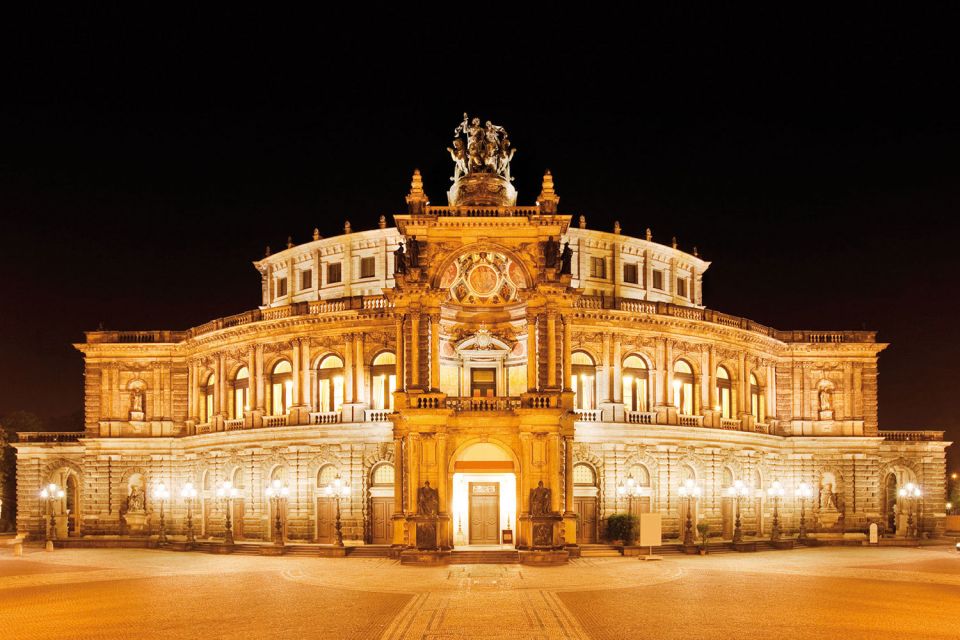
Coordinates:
488 149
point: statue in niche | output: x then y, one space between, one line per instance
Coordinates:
136 401
825 397
428 500
136 501
413 253
399 260
540 500
550 249
828 499
566 257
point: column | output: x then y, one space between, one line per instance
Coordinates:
435 351
668 372
194 389
397 475
553 463
401 378
222 385
305 370
617 370
251 380
742 388
218 388
348 369
413 468
605 394
568 474
552 349
531 353
360 377
567 351
258 378
295 364
415 349
714 391
441 441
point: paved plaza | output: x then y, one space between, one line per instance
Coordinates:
820 593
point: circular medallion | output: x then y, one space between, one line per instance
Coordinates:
483 279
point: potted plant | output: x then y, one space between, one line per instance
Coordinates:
703 529
621 528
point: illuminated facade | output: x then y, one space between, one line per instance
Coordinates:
485 358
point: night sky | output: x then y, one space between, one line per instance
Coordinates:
145 161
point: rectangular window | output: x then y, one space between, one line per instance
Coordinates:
598 268
281 287
306 280
631 274
368 268
333 273
658 279
682 287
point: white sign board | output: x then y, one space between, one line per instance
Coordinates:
650 530
874 533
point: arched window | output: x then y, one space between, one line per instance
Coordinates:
384 377
237 479
683 387
383 475
583 375
687 473
636 382
757 480
727 477
640 475
724 393
584 475
206 401
326 475
281 388
330 384
756 399
241 387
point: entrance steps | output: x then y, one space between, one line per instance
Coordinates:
370 551
600 551
494 556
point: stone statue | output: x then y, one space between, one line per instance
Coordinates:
828 500
826 398
540 500
428 500
413 253
487 150
399 260
566 257
136 401
136 501
459 155
550 249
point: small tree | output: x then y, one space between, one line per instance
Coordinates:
622 526
703 529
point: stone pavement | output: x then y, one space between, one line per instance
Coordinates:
845 593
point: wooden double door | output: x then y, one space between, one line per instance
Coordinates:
326 520
586 508
484 513
380 510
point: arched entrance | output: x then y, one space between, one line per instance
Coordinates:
484 494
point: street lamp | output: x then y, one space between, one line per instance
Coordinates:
161 494
338 489
50 494
691 491
776 492
278 492
738 491
911 493
188 493
802 492
226 492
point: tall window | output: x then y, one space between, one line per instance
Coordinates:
281 388
724 391
330 384
756 399
306 279
636 380
583 475
683 387
241 387
682 287
631 273
658 279
384 378
206 402
333 273
281 287
598 268
383 475
582 378
368 267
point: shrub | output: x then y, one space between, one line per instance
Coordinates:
703 529
622 526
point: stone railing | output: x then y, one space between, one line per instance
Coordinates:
49 436
136 337
275 421
482 404
233 425
540 401
912 436
690 421
326 417
588 415
482 212
377 415
761 427
427 401
206 427
640 417
731 424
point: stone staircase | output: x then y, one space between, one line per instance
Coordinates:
494 556
369 551
599 551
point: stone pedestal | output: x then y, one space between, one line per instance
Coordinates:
426 530
137 522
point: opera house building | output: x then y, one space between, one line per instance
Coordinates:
480 375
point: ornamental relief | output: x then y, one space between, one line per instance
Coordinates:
483 278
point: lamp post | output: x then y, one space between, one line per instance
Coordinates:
338 489
226 492
161 494
738 491
802 492
911 493
776 492
277 492
188 493
690 491
50 494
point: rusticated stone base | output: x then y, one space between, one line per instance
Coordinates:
544 558
415 557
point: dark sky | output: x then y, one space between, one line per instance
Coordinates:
146 160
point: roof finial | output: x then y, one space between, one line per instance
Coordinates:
583 222
346 227
417 200
289 242
266 254
649 234
696 254
616 227
548 198
316 233
674 242
382 223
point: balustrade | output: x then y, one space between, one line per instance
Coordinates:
233 425
641 417
731 424
690 421
588 415
274 421
326 417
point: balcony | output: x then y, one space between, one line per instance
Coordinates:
482 404
50 436
912 436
